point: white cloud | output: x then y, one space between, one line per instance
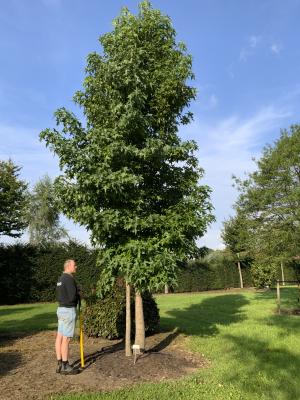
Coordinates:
230 71
254 41
22 145
212 238
248 50
213 101
275 48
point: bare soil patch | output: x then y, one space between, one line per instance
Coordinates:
27 365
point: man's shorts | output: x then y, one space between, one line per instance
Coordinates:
66 321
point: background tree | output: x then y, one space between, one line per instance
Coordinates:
12 200
43 214
128 177
269 202
235 236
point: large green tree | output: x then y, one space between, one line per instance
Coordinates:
43 214
12 200
269 202
127 176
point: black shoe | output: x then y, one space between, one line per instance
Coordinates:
58 368
66 369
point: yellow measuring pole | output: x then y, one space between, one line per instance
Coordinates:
81 340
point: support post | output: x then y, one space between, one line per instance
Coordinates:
128 322
278 297
282 273
240 271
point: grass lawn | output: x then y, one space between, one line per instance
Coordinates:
254 353
27 318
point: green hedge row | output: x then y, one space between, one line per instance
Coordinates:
209 274
291 271
29 274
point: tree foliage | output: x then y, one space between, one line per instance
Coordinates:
12 200
128 177
43 214
267 222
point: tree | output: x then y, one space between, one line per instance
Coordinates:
12 200
235 236
128 177
43 214
269 202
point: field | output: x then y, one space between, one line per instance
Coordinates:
243 348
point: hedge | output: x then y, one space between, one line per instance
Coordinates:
29 274
211 273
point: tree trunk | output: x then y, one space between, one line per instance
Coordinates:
166 289
139 321
282 273
240 273
128 322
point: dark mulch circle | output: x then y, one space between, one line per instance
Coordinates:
27 365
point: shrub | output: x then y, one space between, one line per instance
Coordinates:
263 273
107 317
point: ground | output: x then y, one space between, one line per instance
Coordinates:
27 365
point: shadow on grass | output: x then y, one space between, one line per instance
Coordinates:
10 310
202 318
19 327
288 293
267 371
286 323
164 343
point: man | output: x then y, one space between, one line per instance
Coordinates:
68 298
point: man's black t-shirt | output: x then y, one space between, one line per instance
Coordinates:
67 291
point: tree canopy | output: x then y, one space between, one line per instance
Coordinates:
127 175
43 214
267 222
12 200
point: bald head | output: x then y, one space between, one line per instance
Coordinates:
70 266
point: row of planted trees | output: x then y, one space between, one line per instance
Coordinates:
266 226
126 175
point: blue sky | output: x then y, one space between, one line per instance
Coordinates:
245 57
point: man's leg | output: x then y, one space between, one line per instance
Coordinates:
66 328
58 345
65 348
58 350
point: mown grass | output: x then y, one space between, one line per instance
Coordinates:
253 352
27 318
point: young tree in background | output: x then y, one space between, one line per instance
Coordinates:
235 236
12 200
128 177
43 214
